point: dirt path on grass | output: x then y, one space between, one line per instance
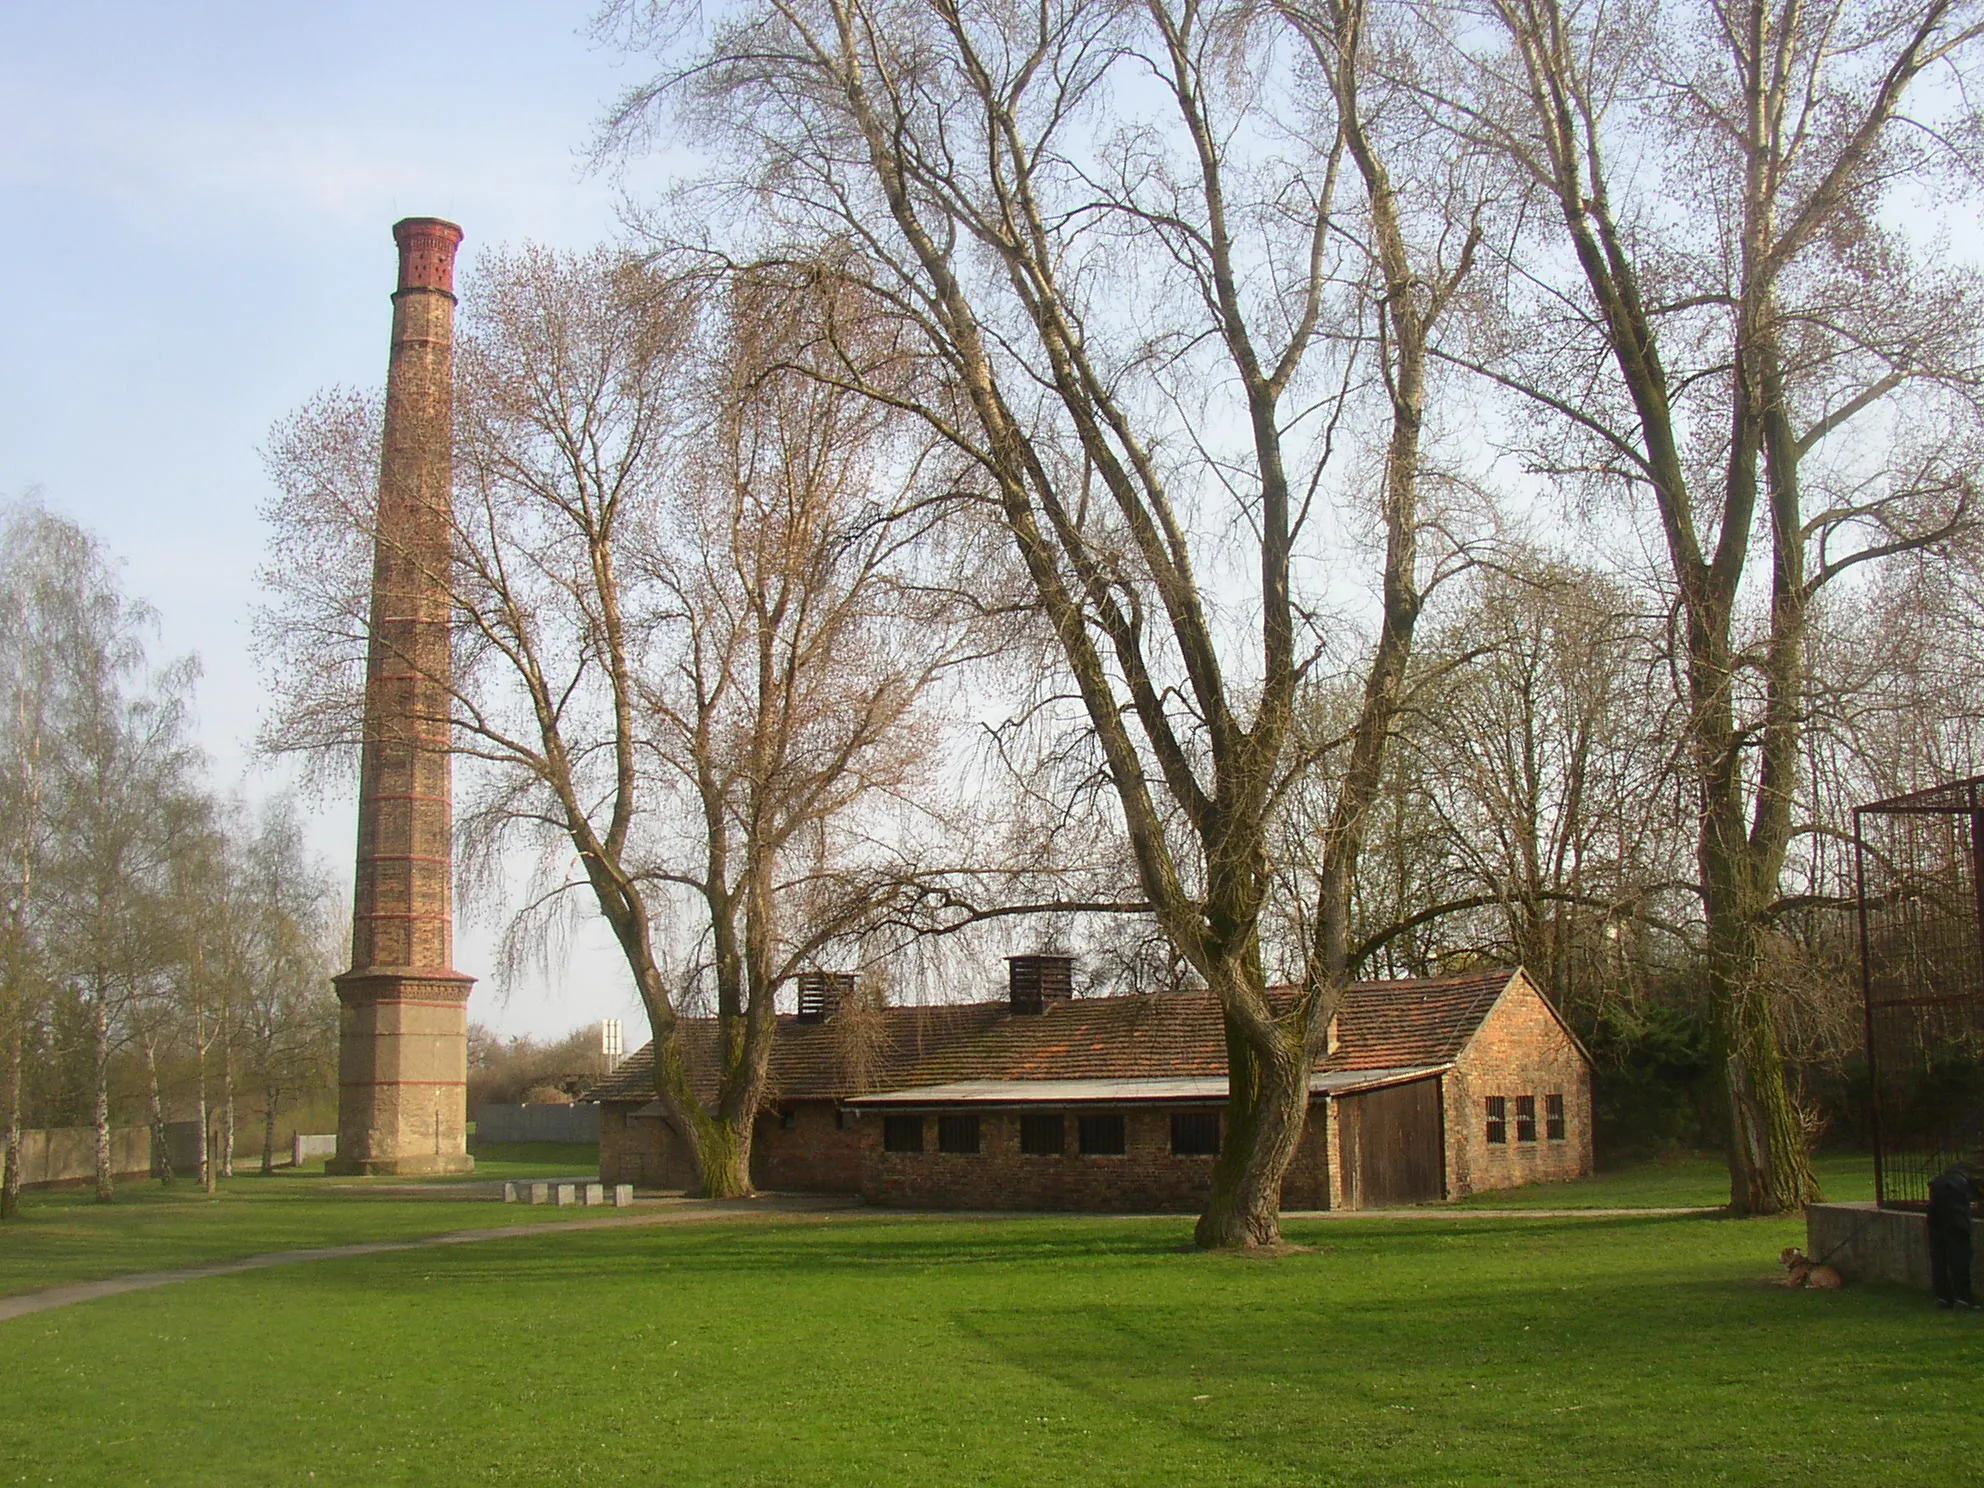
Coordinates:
696 1211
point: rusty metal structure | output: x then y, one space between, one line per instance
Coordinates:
1919 859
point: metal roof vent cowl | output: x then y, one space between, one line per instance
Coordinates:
822 992
1034 981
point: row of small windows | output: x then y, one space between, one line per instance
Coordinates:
1193 1134
1498 1118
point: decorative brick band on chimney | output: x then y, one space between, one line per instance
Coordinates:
403 1019
1034 981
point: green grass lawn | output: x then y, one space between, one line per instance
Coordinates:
1693 1181
65 1235
919 1351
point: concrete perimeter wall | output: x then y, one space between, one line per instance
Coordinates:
68 1154
1868 1244
537 1123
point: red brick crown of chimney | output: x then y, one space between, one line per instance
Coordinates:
427 253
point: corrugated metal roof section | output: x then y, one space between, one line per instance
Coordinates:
1184 1090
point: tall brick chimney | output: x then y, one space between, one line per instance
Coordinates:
403 1024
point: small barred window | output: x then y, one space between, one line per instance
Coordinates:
1195 1134
1043 1136
957 1134
1525 1118
1498 1120
1102 1136
902 1134
1553 1117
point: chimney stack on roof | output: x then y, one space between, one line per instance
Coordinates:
1034 981
822 992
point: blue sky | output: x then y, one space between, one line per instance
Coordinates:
195 212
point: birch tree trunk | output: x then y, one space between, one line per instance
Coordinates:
227 1098
100 1070
269 1098
206 1162
10 1150
161 1149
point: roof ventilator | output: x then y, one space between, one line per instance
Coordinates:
822 992
1034 981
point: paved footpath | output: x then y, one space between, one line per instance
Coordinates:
694 1211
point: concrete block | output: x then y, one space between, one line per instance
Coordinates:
509 1193
567 1193
623 1195
592 1193
1869 1244
540 1193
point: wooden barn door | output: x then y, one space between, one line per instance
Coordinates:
1393 1145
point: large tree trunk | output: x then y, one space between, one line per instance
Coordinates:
1770 1169
100 1029
1267 1106
724 1160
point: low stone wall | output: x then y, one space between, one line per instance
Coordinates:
1868 1244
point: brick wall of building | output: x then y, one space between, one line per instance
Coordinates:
641 1150
1521 1049
1146 1176
812 1155
804 1147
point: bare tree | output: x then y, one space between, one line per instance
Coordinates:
1723 326
287 1014
1144 318
47 569
1544 785
694 639
128 798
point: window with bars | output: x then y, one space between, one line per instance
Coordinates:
1043 1136
1498 1120
957 1133
1102 1136
1525 1118
902 1133
1553 1117
1195 1133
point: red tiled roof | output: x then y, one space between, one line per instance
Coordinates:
815 1061
1382 1025
1429 1021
